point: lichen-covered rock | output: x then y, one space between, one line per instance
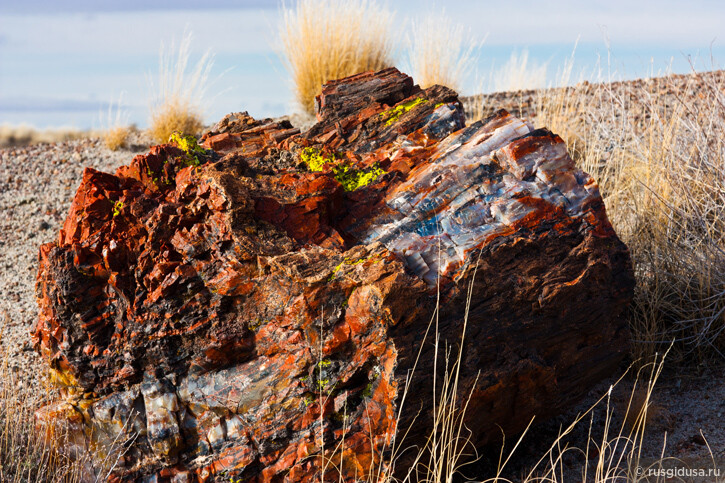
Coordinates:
255 311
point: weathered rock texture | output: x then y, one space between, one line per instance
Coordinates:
255 310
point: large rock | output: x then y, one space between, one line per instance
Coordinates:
255 312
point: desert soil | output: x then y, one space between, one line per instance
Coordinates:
37 184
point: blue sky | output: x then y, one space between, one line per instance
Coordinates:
61 62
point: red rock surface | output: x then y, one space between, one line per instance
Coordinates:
254 312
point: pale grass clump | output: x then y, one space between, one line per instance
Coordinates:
116 131
177 104
440 52
326 40
518 74
174 117
116 137
657 151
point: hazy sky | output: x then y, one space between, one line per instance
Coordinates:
62 61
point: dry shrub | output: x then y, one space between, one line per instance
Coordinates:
657 150
177 105
440 52
330 39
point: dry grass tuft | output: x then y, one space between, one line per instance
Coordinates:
519 74
440 52
174 117
115 138
657 150
330 39
25 455
116 131
178 102
613 455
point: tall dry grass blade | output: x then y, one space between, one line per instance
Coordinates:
178 98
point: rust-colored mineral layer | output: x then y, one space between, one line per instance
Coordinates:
252 312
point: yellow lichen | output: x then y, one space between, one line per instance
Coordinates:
117 207
349 177
352 179
313 159
394 114
190 147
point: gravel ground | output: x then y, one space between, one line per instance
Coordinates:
37 184
671 90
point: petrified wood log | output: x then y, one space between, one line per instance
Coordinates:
255 310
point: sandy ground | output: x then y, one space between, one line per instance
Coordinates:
37 184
